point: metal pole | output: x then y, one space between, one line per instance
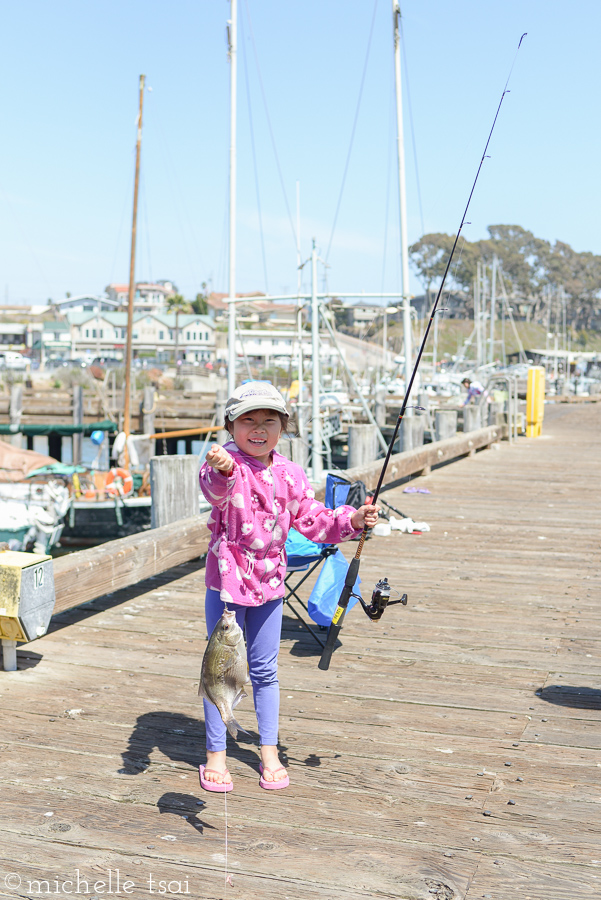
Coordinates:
396 14
300 414
317 450
132 270
231 337
493 297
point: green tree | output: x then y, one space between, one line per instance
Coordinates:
199 304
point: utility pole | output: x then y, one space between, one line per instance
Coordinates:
231 339
132 271
317 450
396 15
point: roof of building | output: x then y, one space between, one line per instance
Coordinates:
217 300
101 299
120 318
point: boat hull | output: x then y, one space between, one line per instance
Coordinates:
89 523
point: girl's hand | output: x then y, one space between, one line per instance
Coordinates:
220 459
365 516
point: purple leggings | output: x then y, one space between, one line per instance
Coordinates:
263 632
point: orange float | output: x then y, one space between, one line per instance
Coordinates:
119 482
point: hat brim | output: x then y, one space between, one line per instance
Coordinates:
251 405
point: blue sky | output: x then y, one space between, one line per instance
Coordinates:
68 101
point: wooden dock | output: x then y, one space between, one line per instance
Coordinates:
453 750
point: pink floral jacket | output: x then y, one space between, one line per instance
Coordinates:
254 507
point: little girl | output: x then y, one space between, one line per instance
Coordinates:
257 496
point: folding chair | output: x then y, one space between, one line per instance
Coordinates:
303 556
306 556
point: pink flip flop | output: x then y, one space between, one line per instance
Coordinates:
216 787
272 785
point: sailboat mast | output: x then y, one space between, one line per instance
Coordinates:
493 309
396 14
231 341
316 438
300 415
132 271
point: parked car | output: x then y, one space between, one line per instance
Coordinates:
107 361
11 360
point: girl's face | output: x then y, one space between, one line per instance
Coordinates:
257 432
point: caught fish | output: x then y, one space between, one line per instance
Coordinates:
224 670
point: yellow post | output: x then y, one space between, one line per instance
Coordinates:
535 401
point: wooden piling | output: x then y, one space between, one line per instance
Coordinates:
411 434
496 413
295 449
362 445
220 401
445 424
77 439
15 411
173 488
472 418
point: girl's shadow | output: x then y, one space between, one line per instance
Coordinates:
180 739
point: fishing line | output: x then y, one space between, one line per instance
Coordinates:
380 597
273 143
410 109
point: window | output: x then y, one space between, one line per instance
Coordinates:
135 335
161 335
93 332
206 335
101 332
187 335
194 336
87 333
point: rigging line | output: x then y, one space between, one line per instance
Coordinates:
26 240
388 180
179 204
254 153
348 157
222 258
126 201
273 143
410 108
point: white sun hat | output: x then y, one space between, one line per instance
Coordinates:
254 395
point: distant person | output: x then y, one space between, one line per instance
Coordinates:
474 390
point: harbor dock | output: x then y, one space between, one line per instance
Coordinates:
452 751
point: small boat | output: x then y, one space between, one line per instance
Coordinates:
33 499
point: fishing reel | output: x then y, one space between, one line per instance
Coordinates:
380 599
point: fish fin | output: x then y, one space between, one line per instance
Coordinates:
234 727
239 696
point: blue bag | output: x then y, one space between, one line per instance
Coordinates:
327 588
337 489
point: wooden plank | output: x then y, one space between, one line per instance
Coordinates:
82 576
395 754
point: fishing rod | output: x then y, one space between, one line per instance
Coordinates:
381 595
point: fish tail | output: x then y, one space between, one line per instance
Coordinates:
234 727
